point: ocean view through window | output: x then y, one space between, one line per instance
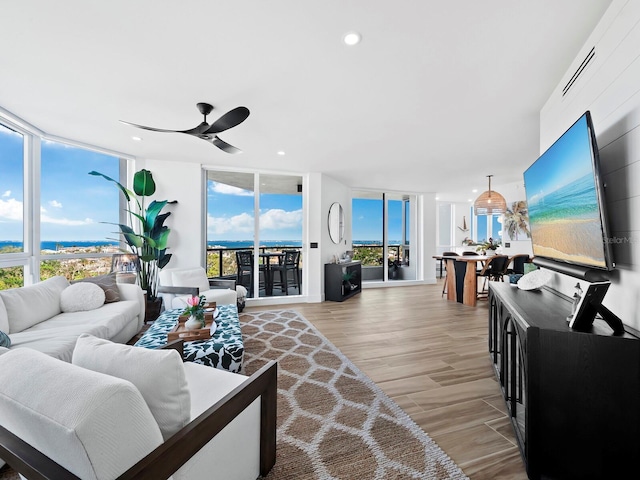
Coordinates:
73 240
382 229
233 226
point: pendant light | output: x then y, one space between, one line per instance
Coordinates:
490 202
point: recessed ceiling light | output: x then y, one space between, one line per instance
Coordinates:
437 198
469 200
475 190
137 139
281 152
352 38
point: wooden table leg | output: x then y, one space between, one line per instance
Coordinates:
470 285
451 280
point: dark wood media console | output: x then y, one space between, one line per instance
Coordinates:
573 397
334 287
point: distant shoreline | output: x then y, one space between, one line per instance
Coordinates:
65 244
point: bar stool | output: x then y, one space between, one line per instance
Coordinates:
244 261
289 263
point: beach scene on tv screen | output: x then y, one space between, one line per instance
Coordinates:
563 206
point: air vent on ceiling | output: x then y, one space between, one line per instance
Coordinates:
579 71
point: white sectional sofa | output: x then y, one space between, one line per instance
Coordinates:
117 408
35 316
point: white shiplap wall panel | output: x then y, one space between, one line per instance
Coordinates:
622 150
610 38
610 89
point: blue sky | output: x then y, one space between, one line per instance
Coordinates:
568 159
230 215
367 220
73 203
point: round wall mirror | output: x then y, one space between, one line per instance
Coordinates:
336 222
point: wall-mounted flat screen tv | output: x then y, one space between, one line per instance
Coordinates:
566 203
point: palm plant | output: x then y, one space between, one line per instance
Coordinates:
146 235
517 220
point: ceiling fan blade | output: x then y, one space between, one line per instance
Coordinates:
224 146
147 128
192 131
230 119
196 130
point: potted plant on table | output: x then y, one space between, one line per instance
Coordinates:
146 235
489 247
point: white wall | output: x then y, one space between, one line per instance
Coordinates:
427 237
610 88
182 182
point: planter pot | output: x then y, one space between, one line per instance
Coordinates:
152 310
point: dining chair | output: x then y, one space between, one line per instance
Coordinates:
517 261
494 269
290 262
244 261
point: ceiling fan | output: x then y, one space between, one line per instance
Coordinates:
209 132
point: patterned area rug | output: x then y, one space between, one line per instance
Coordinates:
333 421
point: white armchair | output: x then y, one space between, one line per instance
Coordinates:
158 418
177 284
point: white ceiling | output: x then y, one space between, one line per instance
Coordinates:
437 95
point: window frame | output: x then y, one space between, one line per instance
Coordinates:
31 257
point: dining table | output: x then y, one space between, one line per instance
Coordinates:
461 278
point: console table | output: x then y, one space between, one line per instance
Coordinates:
334 286
573 397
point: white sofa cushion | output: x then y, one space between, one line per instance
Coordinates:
238 444
55 342
97 426
157 374
81 297
191 277
27 306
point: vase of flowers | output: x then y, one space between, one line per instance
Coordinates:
195 310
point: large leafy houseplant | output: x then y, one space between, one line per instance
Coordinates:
146 235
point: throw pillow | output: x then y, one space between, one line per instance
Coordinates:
81 297
27 306
107 283
5 341
157 374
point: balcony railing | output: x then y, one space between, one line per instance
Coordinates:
221 261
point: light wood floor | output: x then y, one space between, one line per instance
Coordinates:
430 355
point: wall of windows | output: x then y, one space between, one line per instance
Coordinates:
65 233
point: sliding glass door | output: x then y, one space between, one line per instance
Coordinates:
384 235
252 248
